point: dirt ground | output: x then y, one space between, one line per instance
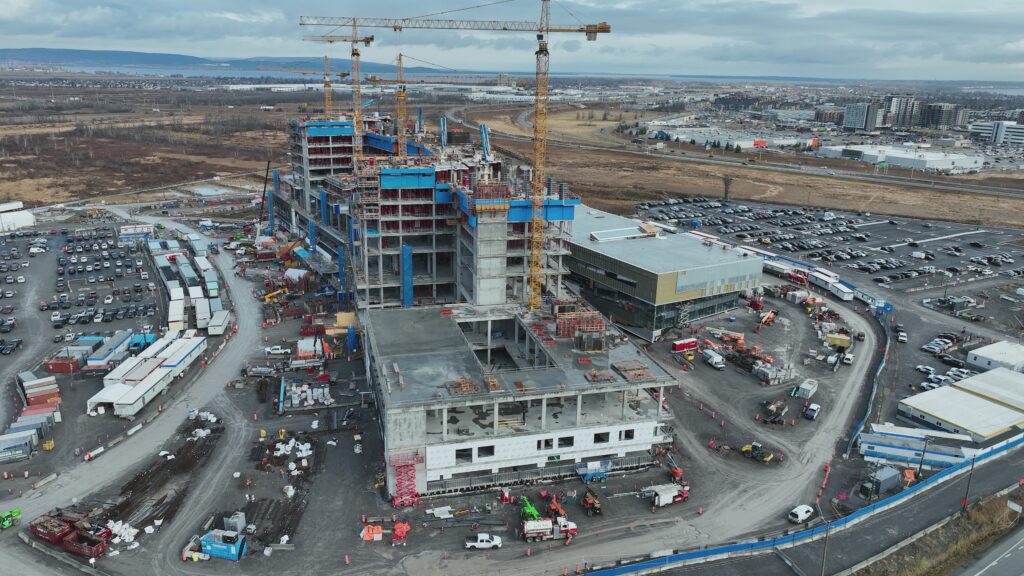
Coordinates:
616 182
44 169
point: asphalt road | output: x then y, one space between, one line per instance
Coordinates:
1006 558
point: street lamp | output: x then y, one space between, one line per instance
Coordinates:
920 463
970 476
824 550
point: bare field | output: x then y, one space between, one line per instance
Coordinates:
58 168
615 182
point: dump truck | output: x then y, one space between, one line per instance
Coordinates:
547 529
665 494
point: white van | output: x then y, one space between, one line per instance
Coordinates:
800 514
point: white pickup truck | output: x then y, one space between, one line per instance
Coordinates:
483 542
277 351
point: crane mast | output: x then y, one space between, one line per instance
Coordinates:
328 87
357 95
540 153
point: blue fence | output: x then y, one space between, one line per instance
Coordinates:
768 544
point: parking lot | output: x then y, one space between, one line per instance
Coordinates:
45 306
864 249
99 280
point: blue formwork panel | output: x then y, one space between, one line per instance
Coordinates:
395 178
329 129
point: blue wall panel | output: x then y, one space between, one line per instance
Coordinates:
406 276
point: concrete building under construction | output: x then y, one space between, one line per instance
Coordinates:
433 249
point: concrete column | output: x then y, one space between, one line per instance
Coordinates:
661 398
625 393
488 341
579 408
444 424
543 413
495 418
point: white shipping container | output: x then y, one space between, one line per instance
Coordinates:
177 294
219 322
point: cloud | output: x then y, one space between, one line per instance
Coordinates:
910 39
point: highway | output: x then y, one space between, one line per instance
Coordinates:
452 115
1005 558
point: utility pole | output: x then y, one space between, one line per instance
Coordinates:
824 550
970 476
920 463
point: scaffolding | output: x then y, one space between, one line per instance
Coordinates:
572 324
491 197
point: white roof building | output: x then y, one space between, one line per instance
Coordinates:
984 406
916 157
1001 354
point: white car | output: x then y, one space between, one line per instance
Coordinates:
800 514
925 369
108 300
901 337
21 279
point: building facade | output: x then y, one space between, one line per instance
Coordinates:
649 281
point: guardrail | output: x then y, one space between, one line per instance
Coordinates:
788 540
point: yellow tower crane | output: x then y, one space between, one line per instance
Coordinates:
542 29
357 96
401 110
328 85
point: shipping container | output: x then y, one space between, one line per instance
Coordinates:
777 269
684 345
195 293
82 543
62 366
841 292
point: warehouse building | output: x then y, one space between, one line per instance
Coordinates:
649 281
916 157
1003 354
476 397
985 406
13 217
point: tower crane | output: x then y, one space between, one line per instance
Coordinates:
401 113
328 87
542 30
357 97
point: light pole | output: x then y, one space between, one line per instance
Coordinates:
824 550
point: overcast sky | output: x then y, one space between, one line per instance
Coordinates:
884 39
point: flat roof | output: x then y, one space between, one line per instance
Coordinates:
1004 352
965 411
1001 386
430 352
622 239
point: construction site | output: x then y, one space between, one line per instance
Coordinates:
444 361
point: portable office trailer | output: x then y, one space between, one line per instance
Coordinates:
176 316
177 294
154 349
219 322
202 306
203 264
212 289
135 399
195 293
115 375
192 349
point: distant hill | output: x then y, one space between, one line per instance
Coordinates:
68 57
